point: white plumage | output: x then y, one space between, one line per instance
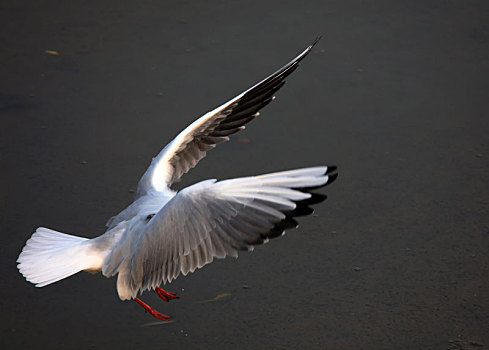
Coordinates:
50 256
163 233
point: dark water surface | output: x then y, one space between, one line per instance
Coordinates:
396 94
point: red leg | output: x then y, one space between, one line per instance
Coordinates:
166 296
152 311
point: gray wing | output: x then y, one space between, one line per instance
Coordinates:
213 220
192 144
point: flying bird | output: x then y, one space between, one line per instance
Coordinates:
164 233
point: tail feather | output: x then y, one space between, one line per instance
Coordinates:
50 256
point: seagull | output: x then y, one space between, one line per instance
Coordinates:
164 233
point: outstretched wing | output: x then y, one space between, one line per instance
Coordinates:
214 127
213 220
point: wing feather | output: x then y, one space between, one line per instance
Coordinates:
216 219
180 155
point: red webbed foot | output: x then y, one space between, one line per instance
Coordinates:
165 295
152 311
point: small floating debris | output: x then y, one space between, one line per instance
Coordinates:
244 140
52 52
157 323
356 268
216 298
459 344
83 162
245 286
476 343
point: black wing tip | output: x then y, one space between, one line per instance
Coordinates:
331 169
303 208
306 51
315 41
331 178
314 199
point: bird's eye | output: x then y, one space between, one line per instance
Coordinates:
149 217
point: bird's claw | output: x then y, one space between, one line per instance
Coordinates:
165 295
159 315
152 311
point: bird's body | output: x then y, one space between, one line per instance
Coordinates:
164 233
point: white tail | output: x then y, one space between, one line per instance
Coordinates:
50 256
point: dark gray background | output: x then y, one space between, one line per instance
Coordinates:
395 94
